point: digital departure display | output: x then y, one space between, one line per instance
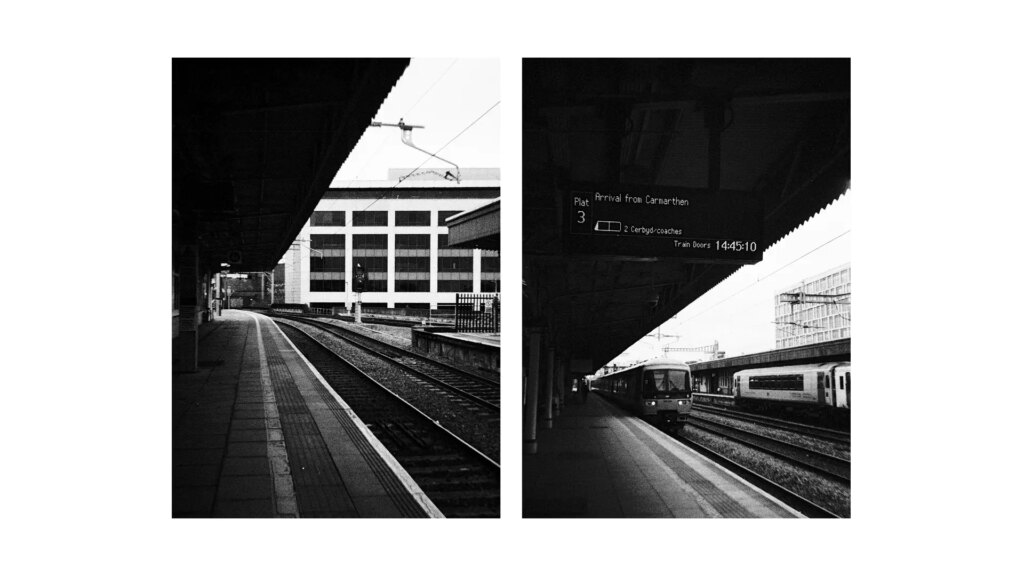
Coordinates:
665 222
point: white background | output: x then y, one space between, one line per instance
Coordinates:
936 244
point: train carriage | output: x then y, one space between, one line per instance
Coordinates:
659 391
825 385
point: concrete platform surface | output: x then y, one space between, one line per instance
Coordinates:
485 338
258 433
599 462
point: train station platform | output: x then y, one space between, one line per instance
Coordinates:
480 351
258 433
485 339
596 461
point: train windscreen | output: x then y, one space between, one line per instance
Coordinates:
666 383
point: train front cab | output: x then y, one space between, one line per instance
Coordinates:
666 396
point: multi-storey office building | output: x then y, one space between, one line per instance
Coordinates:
398 234
822 314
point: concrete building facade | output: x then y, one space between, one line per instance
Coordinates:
822 314
397 232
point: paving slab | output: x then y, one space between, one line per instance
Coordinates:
256 433
598 461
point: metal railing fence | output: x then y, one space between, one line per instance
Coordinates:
477 313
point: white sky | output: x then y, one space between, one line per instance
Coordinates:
740 311
445 96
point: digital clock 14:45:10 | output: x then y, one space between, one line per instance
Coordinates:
736 245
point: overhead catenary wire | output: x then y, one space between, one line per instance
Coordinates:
432 155
427 91
756 282
738 292
406 114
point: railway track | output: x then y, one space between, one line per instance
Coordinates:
475 388
796 501
826 465
370 319
813 482
460 480
816 432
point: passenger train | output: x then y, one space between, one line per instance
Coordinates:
825 385
657 390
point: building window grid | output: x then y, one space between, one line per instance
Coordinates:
328 218
370 218
825 321
454 267
412 218
412 262
371 250
443 215
490 271
327 263
326 241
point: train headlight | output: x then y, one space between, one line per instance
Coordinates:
651 403
681 402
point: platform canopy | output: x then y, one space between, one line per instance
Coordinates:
478 228
768 136
256 142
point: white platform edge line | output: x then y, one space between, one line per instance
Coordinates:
658 436
414 489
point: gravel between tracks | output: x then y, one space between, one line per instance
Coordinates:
482 433
838 449
393 335
826 493
400 336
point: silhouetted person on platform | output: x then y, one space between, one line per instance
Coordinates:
584 388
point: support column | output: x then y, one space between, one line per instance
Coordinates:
219 287
532 384
560 385
547 413
477 270
389 301
433 268
186 349
209 303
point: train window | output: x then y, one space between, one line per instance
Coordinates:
666 383
841 382
779 382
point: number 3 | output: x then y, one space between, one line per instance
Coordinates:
582 216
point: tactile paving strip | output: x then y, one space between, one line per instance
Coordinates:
319 489
394 488
406 504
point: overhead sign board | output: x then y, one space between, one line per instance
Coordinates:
651 221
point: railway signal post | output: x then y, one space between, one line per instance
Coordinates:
360 285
